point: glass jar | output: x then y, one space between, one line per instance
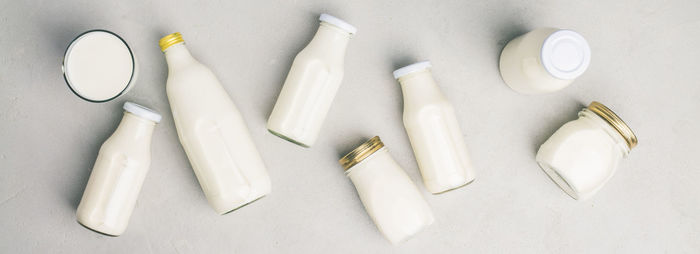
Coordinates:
583 154
391 199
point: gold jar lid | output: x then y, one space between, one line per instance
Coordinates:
169 40
614 121
361 152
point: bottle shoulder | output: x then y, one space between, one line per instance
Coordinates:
314 54
118 148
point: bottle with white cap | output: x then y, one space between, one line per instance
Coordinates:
544 60
212 131
311 84
433 129
118 173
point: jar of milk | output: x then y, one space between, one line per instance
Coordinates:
311 84
544 60
118 173
98 66
583 154
388 194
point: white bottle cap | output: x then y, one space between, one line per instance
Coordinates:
142 111
338 22
416 67
565 54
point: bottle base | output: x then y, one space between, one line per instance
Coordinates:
243 205
558 179
288 139
95 230
454 188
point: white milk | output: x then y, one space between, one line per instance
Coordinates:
388 194
212 132
118 173
433 130
583 154
311 84
544 60
99 66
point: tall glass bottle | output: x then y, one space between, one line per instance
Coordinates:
433 130
212 131
118 173
311 84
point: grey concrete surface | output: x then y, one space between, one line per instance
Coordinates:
644 66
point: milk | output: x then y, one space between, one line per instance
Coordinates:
433 129
544 60
582 155
98 66
311 84
118 173
212 132
390 197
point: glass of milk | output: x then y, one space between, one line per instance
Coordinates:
99 66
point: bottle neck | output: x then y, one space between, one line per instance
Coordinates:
331 40
178 56
135 128
609 129
419 85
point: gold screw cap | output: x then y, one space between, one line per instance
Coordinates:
169 40
614 121
361 152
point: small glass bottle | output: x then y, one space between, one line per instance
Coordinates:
432 128
311 84
583 154
544 60
391 199
119 171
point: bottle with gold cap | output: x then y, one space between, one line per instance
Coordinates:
391 199
432 128
583 154
212 132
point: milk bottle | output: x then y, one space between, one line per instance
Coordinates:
311 84
116 178
544 60
388 194
433 130
212 132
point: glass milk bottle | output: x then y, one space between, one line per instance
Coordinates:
544 60
311 84
391 199
212 132
118 173
433 130
583 154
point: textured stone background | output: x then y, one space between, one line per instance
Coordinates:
644 66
